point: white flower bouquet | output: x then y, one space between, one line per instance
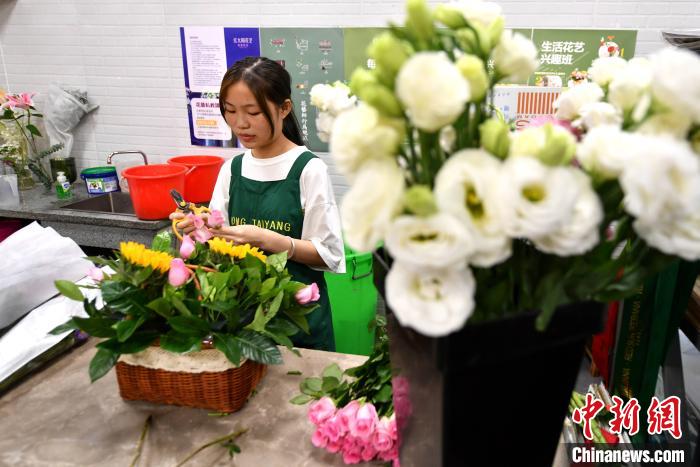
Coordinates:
482 222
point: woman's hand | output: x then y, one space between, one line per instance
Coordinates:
241 234
186 224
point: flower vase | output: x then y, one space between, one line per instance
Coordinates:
489 384
25 180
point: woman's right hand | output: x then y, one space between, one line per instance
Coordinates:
186 225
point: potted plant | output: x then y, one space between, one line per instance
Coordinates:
207 318
500 247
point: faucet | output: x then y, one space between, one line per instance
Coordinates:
145 159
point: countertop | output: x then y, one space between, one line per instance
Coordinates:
57 418
87 228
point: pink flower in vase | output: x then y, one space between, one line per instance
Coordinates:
308 294
362 426
19 101
321 410
178 273
318 439
348 413
382 439
187 247
332 429
215 219
96 274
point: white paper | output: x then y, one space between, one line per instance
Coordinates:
206 58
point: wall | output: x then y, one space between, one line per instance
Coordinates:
126 54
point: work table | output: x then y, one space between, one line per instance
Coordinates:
88 228
56 417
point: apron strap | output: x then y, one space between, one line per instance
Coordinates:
236 166
299 164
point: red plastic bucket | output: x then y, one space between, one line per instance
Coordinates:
199 183
149 187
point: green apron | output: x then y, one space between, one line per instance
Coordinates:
276 206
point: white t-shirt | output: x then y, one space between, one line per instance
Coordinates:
321 218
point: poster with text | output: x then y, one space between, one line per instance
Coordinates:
207 52
311 56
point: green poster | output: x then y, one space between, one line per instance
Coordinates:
310 55
355 47
566 54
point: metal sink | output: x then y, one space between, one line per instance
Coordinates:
115 202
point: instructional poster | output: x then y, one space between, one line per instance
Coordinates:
311 56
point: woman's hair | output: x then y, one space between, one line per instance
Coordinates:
267 80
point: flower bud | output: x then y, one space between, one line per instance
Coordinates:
389 53
419 200
695 141
364 85
552 145
474 40
473 69
495 139
419 21
449 16
178 273
495 30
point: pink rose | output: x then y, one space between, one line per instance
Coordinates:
396 463
179 273
308 294
348 413
318 439
331 428
321 410
382 439
215 219
391 454
96 274
187 247
368 453
334 446
352 457
196 220
202 235
391 425
362 426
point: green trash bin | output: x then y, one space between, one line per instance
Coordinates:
353 304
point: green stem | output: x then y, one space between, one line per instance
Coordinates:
229 437
139 446
425 159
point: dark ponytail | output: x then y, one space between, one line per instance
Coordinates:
267 80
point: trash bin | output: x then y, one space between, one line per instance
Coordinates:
353 304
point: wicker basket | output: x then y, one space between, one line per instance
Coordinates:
223 390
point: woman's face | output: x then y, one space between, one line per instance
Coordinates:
247 120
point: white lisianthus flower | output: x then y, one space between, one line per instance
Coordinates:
515 56
603 70
662 183
536 200
358 135
448 137
438 241
671 123
433 302
581 232
675 81
476 10
432 90
374 199
324 126
680 237
333 98
465 188
568 105
604 151
597 114
630 84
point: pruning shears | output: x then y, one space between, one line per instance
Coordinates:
184 207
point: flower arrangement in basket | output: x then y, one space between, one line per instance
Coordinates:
481 221
359 417
18 134
160 308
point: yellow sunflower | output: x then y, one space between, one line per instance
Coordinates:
138 254
224 247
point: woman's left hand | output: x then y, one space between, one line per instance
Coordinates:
241 234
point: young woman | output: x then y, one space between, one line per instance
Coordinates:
278 195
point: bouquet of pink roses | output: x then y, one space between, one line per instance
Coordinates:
361 417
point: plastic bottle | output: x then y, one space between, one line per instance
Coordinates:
63 189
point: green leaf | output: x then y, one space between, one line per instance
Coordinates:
190 325
98 327
33 130
8 114
235 275
177 303
220 279
294 373
275 305
69 289
61 328
312 386
258 323
141 275
267 285
301 399
333 371
139 341
281 339
180 343
126 328
161 306
227 344
282 326
259 348
101 363
162 241
278 261
329 384
384 394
